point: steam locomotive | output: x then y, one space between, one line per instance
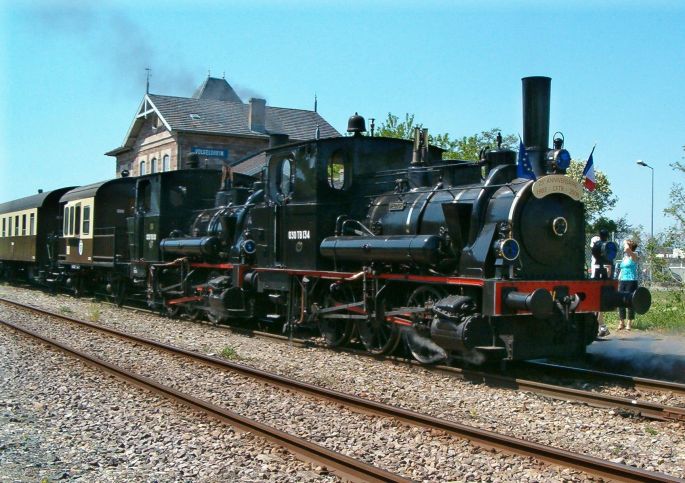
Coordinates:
370 240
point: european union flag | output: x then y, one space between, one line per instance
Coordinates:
523 168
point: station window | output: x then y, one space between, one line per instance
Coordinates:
338 172
86 220
16 225
142 168
23 225
32 224
166 164
153 165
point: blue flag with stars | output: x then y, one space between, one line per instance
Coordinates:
523 168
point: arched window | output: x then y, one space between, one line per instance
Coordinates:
166 165
285 186
142 168
337 172
153 165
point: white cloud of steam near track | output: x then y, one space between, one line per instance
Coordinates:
648 355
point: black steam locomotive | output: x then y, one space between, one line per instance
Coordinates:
373 240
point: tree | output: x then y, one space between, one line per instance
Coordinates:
676 210
466 148
596 202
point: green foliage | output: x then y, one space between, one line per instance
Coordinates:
466 148
676 210
598 201
65 310
94 314
229 353
651 431
665 315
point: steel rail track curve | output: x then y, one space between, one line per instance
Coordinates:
344 466
487 439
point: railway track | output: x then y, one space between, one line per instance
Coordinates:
621 379
480 437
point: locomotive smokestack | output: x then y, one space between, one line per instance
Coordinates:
536 95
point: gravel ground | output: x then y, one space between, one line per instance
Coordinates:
62 420
415 453
606 434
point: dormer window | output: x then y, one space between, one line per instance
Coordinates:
156 122
195 117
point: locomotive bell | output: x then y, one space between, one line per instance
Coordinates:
356 124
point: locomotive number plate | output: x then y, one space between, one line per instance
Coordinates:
299 235
557 183
397 206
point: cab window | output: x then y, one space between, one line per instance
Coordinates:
286 175
338 171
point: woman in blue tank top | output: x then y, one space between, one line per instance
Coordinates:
627 281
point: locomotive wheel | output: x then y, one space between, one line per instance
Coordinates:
417 338
378 335
192 311
119 289
336 332
172 311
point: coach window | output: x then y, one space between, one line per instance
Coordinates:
32 224
77 219
23 225
71 220
338 172
153 166
142 168
165 163
3 226
16 225
86 220
285 185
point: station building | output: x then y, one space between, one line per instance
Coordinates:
212 128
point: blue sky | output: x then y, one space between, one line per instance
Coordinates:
72 75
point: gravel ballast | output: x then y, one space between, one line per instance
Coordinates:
597 432
62 420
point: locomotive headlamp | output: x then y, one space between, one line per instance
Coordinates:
559 159
508 249
559 226
249 247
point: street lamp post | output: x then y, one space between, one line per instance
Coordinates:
642 163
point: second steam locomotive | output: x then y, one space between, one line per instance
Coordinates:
372 240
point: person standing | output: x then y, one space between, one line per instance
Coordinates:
627 282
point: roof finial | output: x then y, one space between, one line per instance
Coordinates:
223 76
209 72
147 82
315 102
317 133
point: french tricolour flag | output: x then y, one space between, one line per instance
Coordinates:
589 173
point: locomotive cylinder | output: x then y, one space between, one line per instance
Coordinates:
206 246
417 249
